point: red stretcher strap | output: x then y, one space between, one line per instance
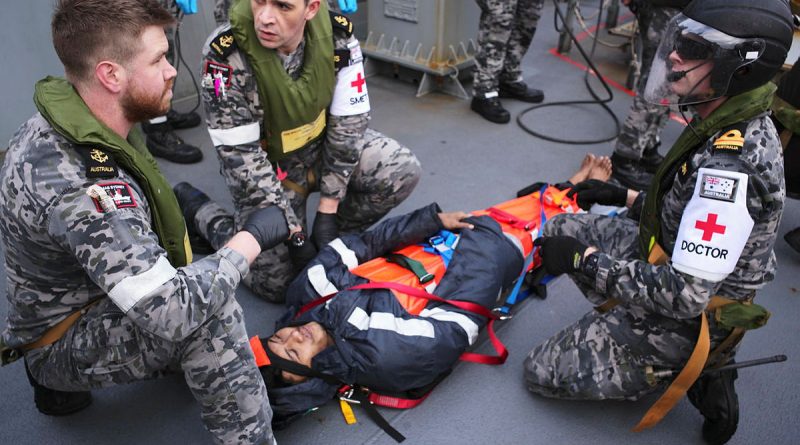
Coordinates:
499 347
311 304
512 220
395 402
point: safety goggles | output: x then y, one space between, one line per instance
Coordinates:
692 49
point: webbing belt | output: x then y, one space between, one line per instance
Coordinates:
311 180
411 264
55 333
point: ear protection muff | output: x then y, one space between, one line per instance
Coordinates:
750 50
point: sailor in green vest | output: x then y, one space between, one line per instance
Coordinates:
705 227
101 286
287 111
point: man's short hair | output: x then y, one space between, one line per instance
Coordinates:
88 31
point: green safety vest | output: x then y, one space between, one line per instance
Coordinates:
787 115
737 109
294 110
64 109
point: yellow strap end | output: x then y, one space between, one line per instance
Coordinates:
347 412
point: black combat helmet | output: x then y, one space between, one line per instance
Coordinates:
769 20
718 48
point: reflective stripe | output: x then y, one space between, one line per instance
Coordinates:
348 256
130 290
243 134
319 280
470 327
430 287
516 242
388 322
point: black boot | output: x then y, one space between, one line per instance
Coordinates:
630 173
651 159
191 199
714 395
793 239
490 109
179 120
57 403
164 143
521 91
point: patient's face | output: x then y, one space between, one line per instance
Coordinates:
299 344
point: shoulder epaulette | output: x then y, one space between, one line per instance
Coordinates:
341 58
341 22
98 163
731 140
224 43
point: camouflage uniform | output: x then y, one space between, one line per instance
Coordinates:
642 127
221 8
368 172
602 356
62 253
504 34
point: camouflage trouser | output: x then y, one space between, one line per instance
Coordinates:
106 348
387 173
504 35
603 356
642 128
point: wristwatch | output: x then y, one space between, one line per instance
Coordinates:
297 239
589 266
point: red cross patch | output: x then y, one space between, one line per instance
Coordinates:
710 227
359 83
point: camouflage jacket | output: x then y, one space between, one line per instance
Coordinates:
63 252
239 109
666 291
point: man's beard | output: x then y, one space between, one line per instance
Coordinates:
139 106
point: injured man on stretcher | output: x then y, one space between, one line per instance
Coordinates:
371 337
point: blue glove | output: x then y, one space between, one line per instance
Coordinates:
187 6
348 6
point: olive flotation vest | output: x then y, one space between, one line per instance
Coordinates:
737 109
294 110
67 113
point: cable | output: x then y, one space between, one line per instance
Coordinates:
582 21
597 100
179 56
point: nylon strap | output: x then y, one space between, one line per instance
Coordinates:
55 333
507 218
376 417
395 402
511 300
499 347
698 360
311 179
411 264
681 384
